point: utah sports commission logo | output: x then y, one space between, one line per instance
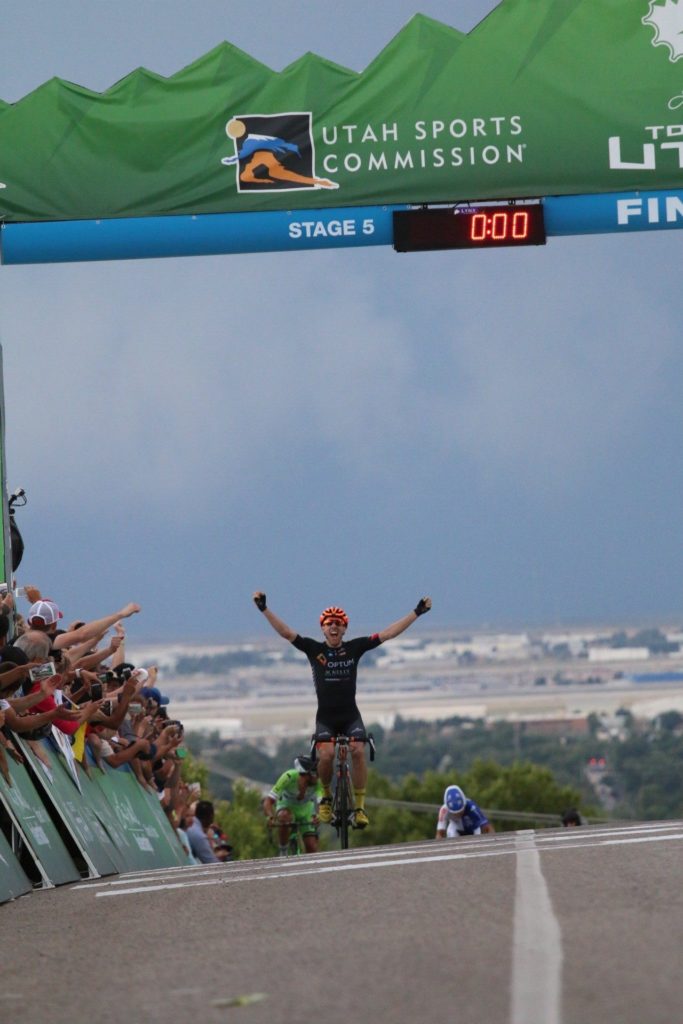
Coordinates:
273 153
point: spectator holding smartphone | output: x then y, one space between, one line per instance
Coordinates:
36 645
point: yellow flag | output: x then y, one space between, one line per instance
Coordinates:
78 745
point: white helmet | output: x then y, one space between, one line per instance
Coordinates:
454 799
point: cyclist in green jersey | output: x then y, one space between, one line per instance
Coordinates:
294 799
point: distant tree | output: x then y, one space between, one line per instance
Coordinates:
518 787
194 770
522 786
250 761
243 822
627 719
196 741
648 771
653 639
594 723
420 758
669 721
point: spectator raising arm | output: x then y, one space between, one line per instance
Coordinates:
119 655
92 660
113 721
94 628
79 653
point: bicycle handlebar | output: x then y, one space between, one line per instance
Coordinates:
344 741
274 823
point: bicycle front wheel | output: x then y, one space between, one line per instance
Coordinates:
343 801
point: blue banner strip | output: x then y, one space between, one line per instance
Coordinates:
345 227
614 212
206 235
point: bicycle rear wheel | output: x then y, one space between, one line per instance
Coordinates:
294 845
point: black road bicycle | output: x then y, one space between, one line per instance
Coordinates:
342 798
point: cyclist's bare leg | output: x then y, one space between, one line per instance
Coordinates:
359 767
311 844
284 818
325 757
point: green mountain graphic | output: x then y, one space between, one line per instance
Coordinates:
523 105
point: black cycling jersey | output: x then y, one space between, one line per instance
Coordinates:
334 674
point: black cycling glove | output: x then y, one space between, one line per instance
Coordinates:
421 607
260 602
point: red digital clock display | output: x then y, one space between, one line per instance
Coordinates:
485 227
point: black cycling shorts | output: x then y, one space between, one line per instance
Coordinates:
351 727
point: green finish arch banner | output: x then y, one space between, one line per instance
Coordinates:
542 98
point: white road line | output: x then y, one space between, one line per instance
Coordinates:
149 876
284 864
642 839
228 880
537 943
273 869
572 836
569 835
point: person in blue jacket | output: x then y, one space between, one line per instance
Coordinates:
459 816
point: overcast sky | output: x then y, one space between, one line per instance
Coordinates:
500 430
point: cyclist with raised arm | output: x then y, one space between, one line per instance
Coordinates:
294 800
334 663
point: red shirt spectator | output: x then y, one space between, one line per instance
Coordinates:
49 704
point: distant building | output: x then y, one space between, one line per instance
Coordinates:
556 727
656 677
485 646
500 646
618 654
574 643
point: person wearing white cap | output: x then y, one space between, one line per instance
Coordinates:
44 615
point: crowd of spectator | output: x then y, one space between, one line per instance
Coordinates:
76 679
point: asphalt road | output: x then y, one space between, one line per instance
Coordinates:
553 927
